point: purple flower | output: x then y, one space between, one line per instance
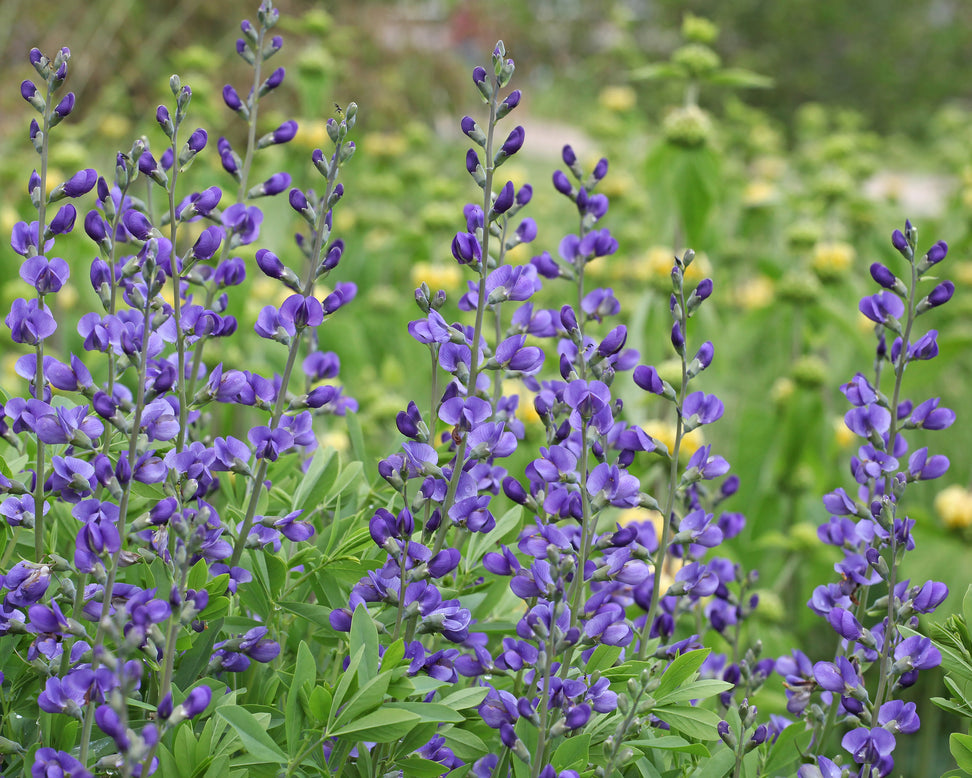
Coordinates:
45 275
915 653
883 276
28 322
922 467
882 307
243 222
284 133
79 184
700 408
841 677
49 763
868 746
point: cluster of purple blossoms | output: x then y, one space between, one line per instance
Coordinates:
873 533
584 582
120 457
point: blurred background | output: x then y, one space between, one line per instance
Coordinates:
782 141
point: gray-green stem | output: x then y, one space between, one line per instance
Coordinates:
662 552
294 349
474 365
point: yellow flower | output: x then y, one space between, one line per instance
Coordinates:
758 193
954 505
842 433
663 433
832 259
8 218
336 439
617 98
655 264
312 134
782 389
437 275
384 145
755 293
525 409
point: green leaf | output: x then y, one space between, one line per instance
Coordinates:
604 656
717 766
786 749
429 711
194 661
319 703
466 698
573 753
697 723
367 699
670 743
316 615
393 656
420 768
313 487
464 744
382 726
347 678
364 635
218 768
357 442
253 735
350 474
683 667
961 748
305 673
697 690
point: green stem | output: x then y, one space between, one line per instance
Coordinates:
294 349
122 521
40 475
662 552
891 631
474 366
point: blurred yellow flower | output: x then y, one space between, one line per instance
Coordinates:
755 293
954 505
617 98
113 126
336 439
663 433
832 259
437 275
8 218
384 145
311 135
782 389
525 410
656 264
758 193
842 433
